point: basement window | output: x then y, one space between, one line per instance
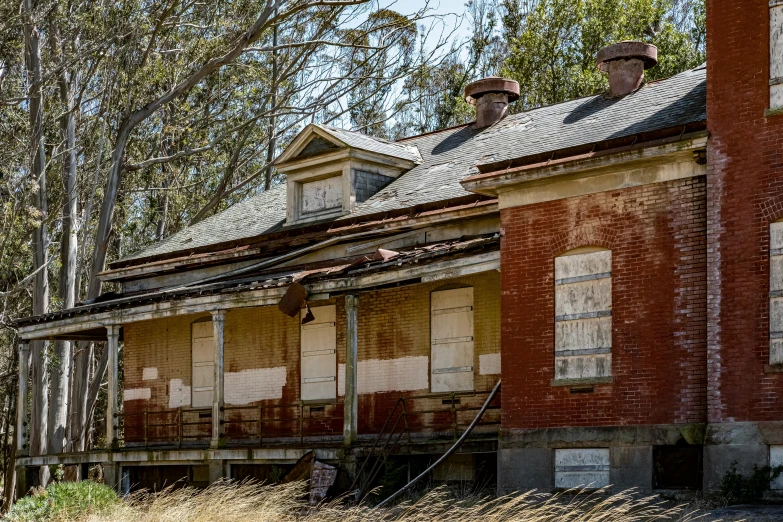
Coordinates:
776 54
583 316
776 293
581 468
776 459
677 467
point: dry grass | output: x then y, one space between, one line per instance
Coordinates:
240 502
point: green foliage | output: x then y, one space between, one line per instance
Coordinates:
737 488
64 501
552 52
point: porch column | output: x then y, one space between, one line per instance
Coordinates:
112 393
218 323
21 399
351 404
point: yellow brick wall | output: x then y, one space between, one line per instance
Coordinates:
393 323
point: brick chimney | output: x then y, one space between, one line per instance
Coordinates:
625 63
491 97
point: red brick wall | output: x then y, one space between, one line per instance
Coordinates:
657 237
745 193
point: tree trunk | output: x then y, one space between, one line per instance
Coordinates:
40 404
77 420
270 153
58 412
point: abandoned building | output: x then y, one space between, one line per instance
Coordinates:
617 260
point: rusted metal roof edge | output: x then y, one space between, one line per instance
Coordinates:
270 278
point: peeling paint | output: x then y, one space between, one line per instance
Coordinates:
179 394
137 394
254 385
149 374
385 375
489 364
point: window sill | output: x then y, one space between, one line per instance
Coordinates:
777 111
581 381
773 368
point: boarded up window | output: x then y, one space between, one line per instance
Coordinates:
319 355
776 459
323 194
776 54
583 467
452 340
776 293
583 315
203 370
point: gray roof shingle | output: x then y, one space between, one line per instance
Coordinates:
452 155
258 215
448 156
364 142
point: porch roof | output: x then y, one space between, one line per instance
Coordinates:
431 261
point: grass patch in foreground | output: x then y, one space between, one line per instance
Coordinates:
240 502
64 501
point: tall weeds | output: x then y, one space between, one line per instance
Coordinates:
240 502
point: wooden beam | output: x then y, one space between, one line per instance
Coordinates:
351 402
218 402
112 389
22 446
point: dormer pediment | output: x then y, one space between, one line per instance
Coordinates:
329 171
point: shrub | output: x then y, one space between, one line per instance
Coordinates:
737 488
64 501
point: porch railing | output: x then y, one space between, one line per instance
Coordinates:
256 423
193 426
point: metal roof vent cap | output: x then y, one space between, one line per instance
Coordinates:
491 96
625 63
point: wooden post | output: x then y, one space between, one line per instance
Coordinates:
112 392
351 403
22 446
218 324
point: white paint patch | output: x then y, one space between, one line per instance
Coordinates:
179 394
489 364
149 374
254 385
323 194
137 394
385 375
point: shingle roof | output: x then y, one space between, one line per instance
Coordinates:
258 215
452 155
448 156
381 146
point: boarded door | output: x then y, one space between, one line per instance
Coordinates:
452 340
319 355
203 371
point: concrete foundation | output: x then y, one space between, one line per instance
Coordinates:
525 457
740 444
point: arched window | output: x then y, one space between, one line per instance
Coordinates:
583 314
776 293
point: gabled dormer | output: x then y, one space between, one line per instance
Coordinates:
330 171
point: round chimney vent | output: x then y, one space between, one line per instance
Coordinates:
491 85
627 50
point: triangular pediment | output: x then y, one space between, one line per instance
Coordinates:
312 141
